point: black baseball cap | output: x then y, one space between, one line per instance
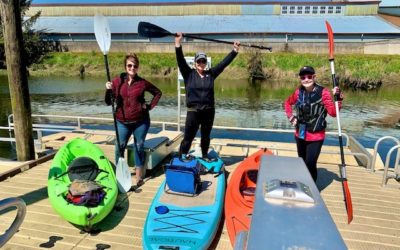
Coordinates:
306 70
200 55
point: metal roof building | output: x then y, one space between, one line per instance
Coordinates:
391 3
255 20
204 7
271 27
108 2
390 7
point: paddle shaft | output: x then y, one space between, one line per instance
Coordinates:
226 42
335 84
346 190
103 37
150 30
112 106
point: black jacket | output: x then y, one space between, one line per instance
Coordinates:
200 91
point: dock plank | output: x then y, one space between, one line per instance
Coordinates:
376 223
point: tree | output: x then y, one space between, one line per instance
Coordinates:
17 78
35 44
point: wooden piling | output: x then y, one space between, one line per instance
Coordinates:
10 14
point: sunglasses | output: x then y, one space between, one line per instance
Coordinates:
307 77
201 61
132 65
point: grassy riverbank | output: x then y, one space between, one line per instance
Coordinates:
278 66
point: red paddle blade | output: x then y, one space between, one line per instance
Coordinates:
330 38
347 200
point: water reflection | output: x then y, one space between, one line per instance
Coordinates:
253 92
239 103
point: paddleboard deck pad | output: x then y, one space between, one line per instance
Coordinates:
187 222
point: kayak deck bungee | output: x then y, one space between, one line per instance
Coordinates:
187 222
240 194
59 182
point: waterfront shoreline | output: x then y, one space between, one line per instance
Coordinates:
356 69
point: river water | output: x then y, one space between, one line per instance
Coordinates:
238 103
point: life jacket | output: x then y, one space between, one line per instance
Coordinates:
310 109
85 193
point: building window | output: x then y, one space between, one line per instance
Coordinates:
309 9
292 9
284 9
300 10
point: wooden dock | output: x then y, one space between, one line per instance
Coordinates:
376 223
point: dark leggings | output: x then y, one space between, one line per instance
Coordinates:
309 151
194 119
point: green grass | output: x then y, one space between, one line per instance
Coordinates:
277 65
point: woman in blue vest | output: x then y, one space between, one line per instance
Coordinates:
199 85
312 103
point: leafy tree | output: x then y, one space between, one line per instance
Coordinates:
2 57
35 43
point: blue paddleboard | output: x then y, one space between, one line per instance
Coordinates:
187 222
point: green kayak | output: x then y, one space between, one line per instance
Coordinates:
77 160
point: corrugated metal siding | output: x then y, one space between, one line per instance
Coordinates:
226 24
138 10
358 1
390 3
184 10
97 2
394 11
361 10
257 9
277 9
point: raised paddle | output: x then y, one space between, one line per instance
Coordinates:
345 186
149 30
103 37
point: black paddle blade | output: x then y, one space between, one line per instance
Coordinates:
149 30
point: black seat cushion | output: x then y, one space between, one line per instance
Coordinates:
83 168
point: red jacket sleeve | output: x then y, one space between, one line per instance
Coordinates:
329 103
290 101
156 92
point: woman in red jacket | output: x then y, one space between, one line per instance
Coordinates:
132 112
312 103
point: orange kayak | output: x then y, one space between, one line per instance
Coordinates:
239 198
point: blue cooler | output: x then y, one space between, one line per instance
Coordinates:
182 176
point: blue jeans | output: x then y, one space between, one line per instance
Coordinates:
139 131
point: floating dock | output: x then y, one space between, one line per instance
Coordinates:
376 223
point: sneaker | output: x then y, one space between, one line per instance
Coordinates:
186 157
139 183
205 158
